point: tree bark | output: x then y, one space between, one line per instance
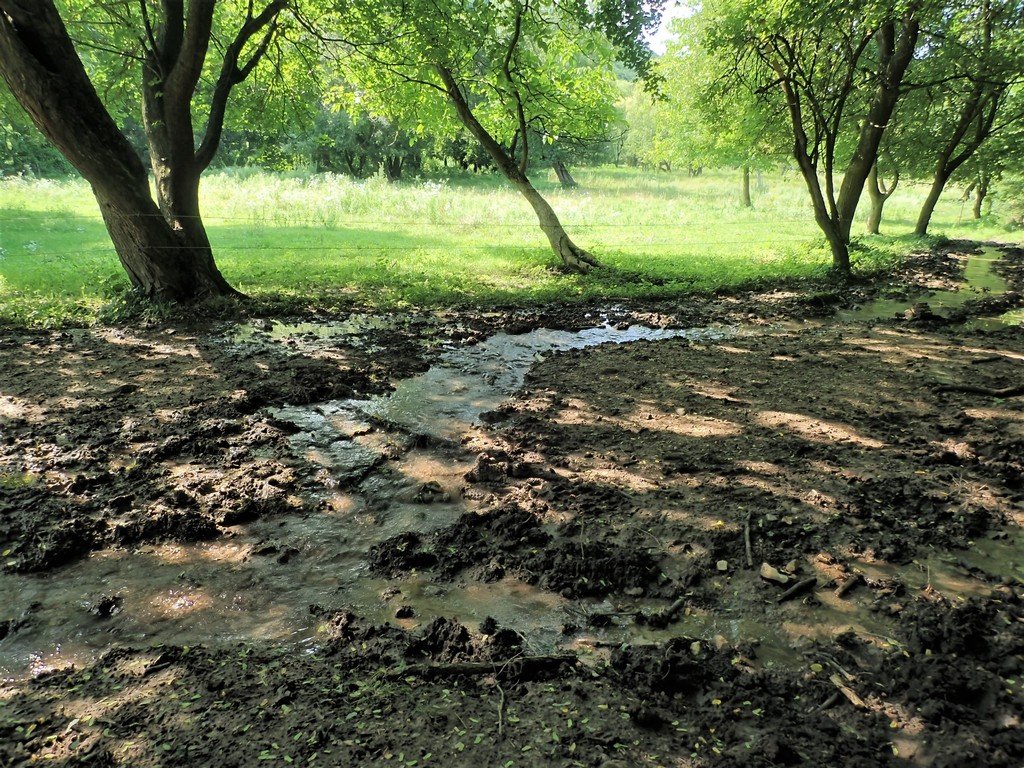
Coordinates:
564 177
879 194
745 194
571 255
834 215
924 218
978 113
44 72
980 193
393 168
896 53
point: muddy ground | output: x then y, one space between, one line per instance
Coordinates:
797 545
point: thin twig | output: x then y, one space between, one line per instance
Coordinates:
746 542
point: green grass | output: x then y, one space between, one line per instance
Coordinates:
326 242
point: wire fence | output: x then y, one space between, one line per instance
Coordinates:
328 220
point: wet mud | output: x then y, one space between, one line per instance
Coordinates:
740 532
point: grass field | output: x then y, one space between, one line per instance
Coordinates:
328 242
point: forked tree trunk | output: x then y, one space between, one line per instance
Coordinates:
157 259
745 194
834 215
879 194
564 177
571 255
44 72
897 51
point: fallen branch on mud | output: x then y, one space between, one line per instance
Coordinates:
662 619
798 589
971 389
848 584
848 692
525 667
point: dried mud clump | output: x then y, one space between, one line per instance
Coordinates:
511 541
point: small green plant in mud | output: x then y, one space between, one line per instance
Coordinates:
12 481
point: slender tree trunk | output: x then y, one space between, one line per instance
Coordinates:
838 243
877 201
42 68
924 218
564 177
393 168
968 191
745 195
572 255
980 193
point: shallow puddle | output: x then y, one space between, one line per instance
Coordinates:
447 400
352 329
980 280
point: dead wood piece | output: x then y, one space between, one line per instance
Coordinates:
798 589
848 692
662 618
746 542
971 389
828 703
849 583
525 667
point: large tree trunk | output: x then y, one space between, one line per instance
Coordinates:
158 262
44 72
745 200
571 255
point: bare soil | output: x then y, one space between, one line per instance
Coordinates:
665 489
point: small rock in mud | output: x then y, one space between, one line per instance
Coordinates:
106 606
770 573
431 492
490 468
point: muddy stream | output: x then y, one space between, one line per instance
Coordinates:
393 464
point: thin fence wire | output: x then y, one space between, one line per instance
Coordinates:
328 221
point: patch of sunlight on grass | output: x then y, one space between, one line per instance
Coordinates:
331 242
